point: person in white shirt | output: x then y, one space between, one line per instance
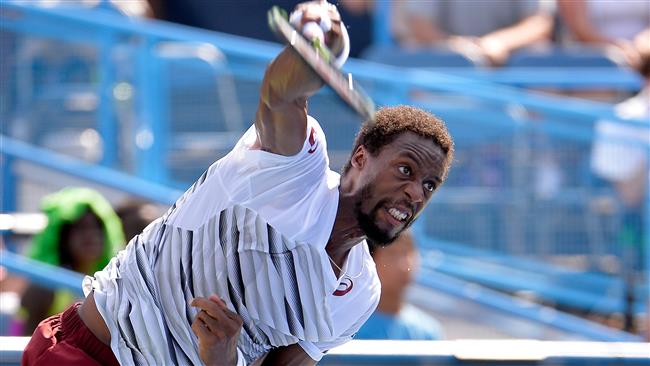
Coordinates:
621 156
264 258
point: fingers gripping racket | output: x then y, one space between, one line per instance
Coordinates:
321 60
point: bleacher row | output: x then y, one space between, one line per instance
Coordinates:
520 211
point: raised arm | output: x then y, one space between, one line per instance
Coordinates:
281 117
498 45
574 14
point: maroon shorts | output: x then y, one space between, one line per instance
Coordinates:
64 339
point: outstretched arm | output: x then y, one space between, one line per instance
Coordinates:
281 118
498 45
575 16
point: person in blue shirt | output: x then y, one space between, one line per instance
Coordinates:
394 318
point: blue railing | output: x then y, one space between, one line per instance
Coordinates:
45 275
14 149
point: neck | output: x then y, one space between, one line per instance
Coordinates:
346 232
390 302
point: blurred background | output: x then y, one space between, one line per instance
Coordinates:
110 109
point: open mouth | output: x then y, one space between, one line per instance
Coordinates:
398 215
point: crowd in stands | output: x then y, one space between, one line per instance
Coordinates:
486 31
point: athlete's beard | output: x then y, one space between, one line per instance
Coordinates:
368 223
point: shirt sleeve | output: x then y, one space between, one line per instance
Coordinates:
316 350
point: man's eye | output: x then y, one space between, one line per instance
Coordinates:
429 186
404 170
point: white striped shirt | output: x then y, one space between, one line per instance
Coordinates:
252 230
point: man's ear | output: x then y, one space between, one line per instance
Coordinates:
359 157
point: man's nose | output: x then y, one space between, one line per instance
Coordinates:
414 192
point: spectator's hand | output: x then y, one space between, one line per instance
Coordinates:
484 51
630 53
642 42
217 329
496 52
468 47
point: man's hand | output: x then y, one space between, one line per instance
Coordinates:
217 329
314 11
281 117
289 77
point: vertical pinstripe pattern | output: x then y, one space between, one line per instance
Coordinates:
235 254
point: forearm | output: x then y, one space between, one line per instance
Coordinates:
532 29
288 80
281 117
574 15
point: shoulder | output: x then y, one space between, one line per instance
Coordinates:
313 150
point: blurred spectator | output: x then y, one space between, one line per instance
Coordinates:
358 17
135 216
82 234
132 8
251 17
487 31
620 156
245 18
395 319
614 23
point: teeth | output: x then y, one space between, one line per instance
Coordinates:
401 216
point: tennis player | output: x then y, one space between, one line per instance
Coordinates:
264 258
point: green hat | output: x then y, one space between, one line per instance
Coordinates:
66 207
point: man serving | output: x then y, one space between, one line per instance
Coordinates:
264 258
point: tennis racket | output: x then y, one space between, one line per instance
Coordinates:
320 59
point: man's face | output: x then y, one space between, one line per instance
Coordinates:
396 185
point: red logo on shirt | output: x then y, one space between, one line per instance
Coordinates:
312 141
344 287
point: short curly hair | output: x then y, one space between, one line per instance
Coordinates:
390 122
